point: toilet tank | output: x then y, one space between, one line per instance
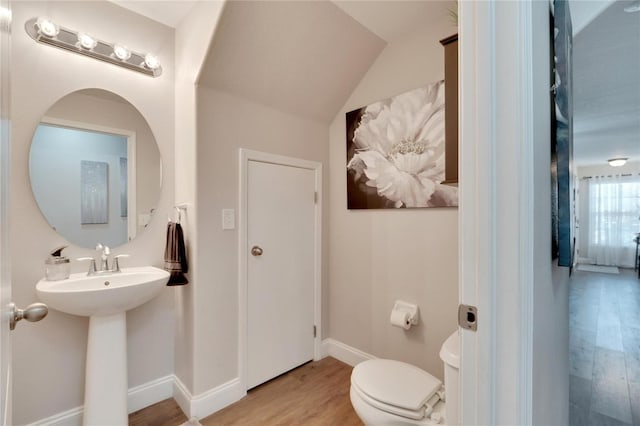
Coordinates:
450 355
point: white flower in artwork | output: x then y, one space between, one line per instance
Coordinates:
399 149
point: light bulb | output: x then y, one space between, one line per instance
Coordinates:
47 27
87 41
5 17
121 52
151 61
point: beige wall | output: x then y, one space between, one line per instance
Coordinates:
229 118
550 326
378 256
227 123
49 357
193 39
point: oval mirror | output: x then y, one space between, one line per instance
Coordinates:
95 169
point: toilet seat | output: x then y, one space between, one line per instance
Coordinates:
396 387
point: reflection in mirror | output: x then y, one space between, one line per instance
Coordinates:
95 169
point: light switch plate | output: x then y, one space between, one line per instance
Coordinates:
228 219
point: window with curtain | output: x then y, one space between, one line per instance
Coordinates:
614 219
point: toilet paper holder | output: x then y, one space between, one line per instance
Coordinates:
410 308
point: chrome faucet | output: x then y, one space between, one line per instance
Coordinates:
116 264
104 257
104 262
92 265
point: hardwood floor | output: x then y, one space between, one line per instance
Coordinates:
316 393
164 413
604 311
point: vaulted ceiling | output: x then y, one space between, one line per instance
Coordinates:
306 57
168 12
392 20
303 58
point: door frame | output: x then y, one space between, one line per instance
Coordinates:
5 187
246 156
498 108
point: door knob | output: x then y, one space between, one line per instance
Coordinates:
256 251
32 313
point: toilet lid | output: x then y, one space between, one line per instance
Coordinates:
395 383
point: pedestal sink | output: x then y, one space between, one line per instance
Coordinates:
105 299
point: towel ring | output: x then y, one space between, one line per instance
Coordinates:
179 208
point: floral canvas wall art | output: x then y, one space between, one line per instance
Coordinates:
396 152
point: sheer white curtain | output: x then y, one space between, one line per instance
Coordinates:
614 211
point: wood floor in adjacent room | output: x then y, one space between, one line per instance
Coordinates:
316 393
604 345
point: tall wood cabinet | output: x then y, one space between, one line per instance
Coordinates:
451 108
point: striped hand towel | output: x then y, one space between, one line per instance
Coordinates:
175 256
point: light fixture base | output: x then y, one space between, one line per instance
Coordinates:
69 40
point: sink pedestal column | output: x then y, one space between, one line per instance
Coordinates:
105 393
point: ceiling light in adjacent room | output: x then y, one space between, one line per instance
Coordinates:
47 27
617 162
86 41
633 7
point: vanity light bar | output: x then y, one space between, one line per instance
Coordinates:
45 31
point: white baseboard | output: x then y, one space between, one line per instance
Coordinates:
204 404
182 396
138 397
207 403
342 352
150 393
71 417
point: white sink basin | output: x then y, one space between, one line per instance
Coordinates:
105 299
100 295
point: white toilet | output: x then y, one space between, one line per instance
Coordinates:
387 392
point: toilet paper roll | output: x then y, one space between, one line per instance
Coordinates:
401 319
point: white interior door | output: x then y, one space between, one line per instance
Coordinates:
280 269
5 284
